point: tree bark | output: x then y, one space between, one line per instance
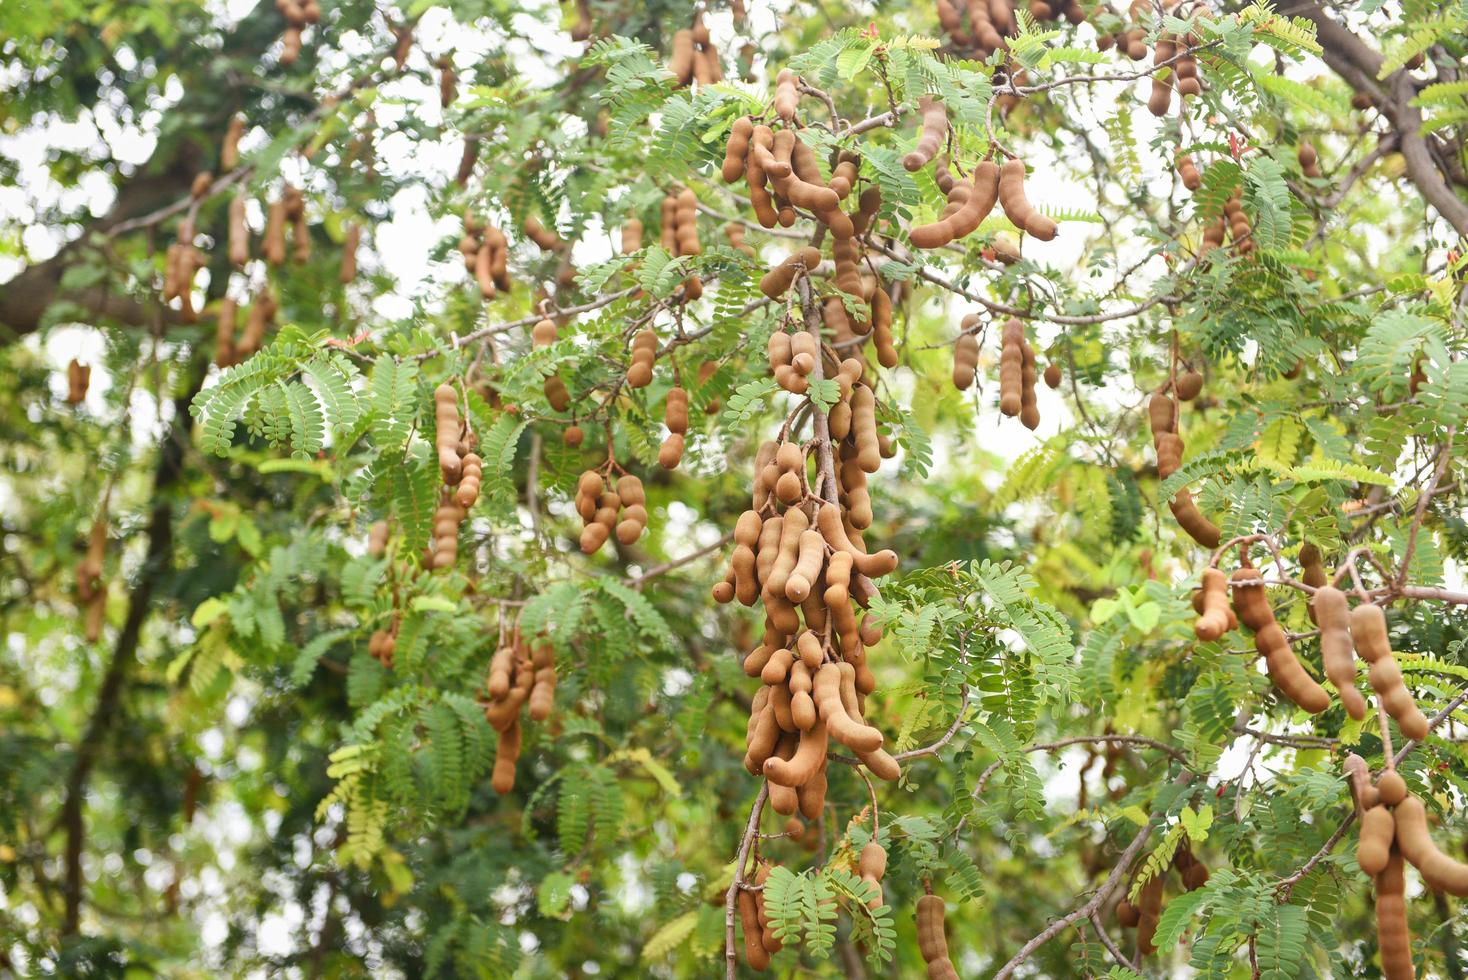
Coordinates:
156 564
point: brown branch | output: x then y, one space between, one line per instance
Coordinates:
156 563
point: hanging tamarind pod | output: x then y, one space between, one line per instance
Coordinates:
1251 603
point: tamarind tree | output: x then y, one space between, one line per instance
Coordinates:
437 430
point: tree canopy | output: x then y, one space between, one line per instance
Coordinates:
497 489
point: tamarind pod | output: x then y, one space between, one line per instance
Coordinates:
791 380
843 179
812 796
759 197
864 428
1393 939
629 490
224 352
1252 605
1011 367
880 764
965 360
1029 412
1191 520
985 189
804 349
506 753
634 520
761 740
852 695
593 536
1149 910
932 943
1188 170
1391 787
780 704
777 668
755 954
1017 206
806 167
826 692
777 281
1126 914
763 456
873 860
755 661
796 523
803 710
239 232
274 242
1439 871
1169 454
1337 654
1368 632
768 547
687 223
952 24
1212 597
874 565
882 328
934 129
1307 157
808 645
301 239
680 63
543 694
787 96
1161 98
839 421
1386 681
746 582
812 553
670 453
737 148
868 204
1189 384
809 755
747 528
1161 414
229 149
1373 846
351 238
800 676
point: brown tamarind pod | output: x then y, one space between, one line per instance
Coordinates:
1369 633
1391 787
983 191
239 232
1161 414
1029 412
1393 939
1052 375
1017 206
229 149
467 494
1251 603
543 694
1011 367
1213 619
446 432
1309 160
1187 170
882 328
1337 652
681 61
506 754
201 184
1373 846
864 428
934 129
631 235
737 148
1191 520
755 954
274 242
1439 871
1127 915
808 757
1189 385
778 280
854 734
1149 910
351 238
932 943
224 352
952 24
787 95
805 348
965 356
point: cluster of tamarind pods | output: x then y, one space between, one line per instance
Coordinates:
520 675
461 469
1162 416
1147 911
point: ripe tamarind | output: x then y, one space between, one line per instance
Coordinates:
965 356
932 942
1213 617
1337 652
934 128
1011 367
1251 603
1309 160
970 204
1439 871
1017 206
1393 939
1368 631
